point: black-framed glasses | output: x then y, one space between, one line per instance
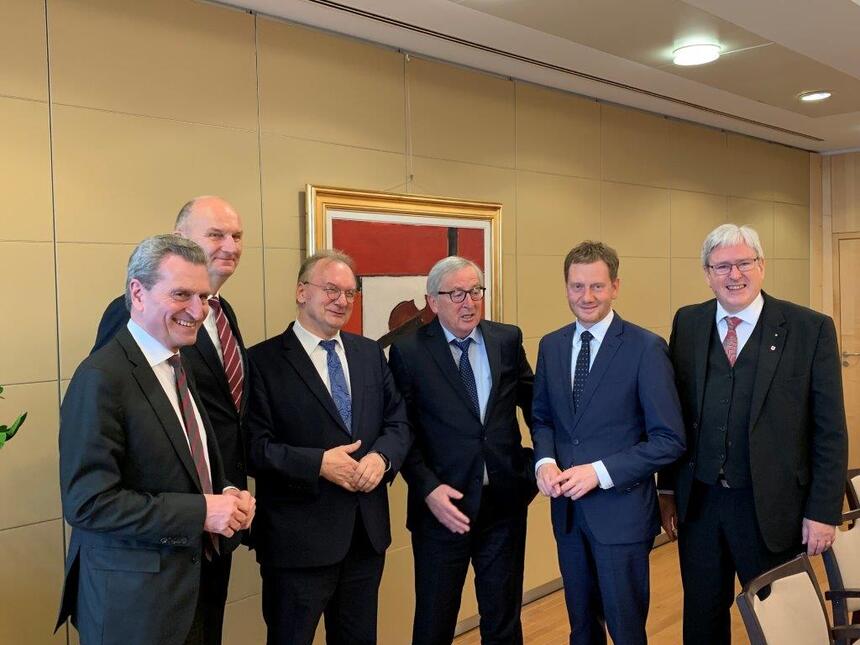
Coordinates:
333 293
725 268
458 295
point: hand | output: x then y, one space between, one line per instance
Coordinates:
368 473
439 501
223 515
576 481
669 515
546 476
247 504
339 467
817 536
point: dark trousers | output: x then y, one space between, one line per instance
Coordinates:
208 623
604 585
346 593
495 545
718 538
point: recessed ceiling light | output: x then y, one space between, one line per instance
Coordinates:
815 95
696 54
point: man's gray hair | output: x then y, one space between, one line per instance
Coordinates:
449 265
145 260
729 235
332 255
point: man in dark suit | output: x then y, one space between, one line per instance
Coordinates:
605 418
327 431
470 479
142 482
764 472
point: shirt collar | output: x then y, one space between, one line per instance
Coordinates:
749 315
475 335
598 330
311 341
153 351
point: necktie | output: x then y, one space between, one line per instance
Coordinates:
466 373
230 353
583 364
192 431
339 390
730 342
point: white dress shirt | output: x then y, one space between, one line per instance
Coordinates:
749 317
319 356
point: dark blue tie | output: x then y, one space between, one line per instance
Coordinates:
583 363
339 390
466 373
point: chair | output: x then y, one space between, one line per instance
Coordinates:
842 564
852 488
784 606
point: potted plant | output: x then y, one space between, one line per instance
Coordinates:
6 433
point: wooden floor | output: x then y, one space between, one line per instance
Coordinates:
545 620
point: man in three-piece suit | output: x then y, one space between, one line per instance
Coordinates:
470 479
765 468
141 477
327 430
605 418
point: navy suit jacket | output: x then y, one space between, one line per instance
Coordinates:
629 417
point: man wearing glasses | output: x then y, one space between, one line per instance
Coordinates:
327 429
764 472
470 479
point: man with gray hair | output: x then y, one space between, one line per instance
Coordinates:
764 472
141 478
470 478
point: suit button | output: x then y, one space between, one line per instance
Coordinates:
722 428
692 465
195 559
576 442
695 425
164 540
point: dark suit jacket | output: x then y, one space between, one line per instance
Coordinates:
797 431
202 360
302 519
131 493
629 417
451 444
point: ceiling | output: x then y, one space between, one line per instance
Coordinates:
621 50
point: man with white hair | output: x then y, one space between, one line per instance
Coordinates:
764 472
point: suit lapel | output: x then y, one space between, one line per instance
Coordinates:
773 333
701 346
494 357
605 353
438 348
567 366
206 348
356 381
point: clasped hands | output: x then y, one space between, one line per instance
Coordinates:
573 482
341 468
231 511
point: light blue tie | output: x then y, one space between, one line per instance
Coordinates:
466 373
339 390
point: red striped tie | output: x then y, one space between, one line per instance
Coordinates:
230 352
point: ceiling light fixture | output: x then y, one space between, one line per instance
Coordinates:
695 54
815 95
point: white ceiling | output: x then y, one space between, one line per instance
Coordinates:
620 51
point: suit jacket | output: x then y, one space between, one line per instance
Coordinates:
629 417
797 431
131 493
452 445
202 361
302 519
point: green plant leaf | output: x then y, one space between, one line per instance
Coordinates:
14 427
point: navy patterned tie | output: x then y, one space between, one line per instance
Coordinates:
583 363
339 390
466 373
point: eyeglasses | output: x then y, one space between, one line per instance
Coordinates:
725 268
458 295
333 293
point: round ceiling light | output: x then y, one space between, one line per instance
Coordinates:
815 95
695 54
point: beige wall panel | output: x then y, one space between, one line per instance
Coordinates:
30 460
790 231
289 164
698 158
542 302
25 171
396 597
282 267
790 174
557 132
91 276
758 215
461 114
635 219
634 146
28 331
120 178
789 280
750 163
555 213
23 52
693 216
662 332
245 293
397 508
176 59
32 573
469 181
243 622
509 289
531 346
245 578
541 555
688 284
643 298
330 88
845 191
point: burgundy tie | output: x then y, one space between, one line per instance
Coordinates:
730 342
192 431
230 352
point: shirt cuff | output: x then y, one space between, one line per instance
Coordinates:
226 488
602 475
541 462
661 491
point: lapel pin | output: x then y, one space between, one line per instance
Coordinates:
773 348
